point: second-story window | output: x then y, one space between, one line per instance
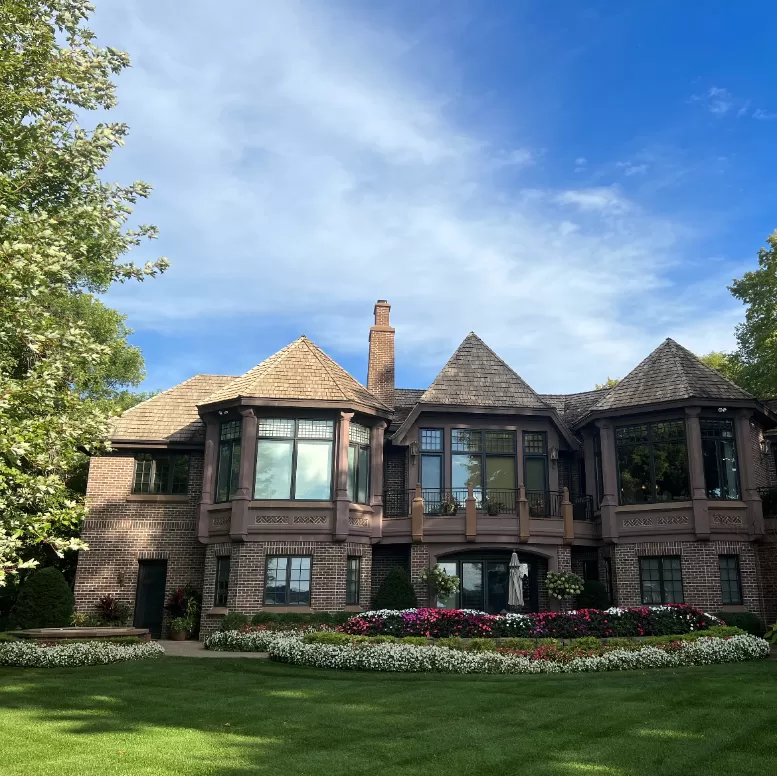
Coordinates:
161 473
598 471
485 459
359 464
294 459
431 461
721 475
652 462
229 460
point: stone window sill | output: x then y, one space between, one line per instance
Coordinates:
664 505
159 497
366 508
217 611
290 504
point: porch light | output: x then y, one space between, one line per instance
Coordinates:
413 449
766 446
554 453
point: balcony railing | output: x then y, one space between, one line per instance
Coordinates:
582 507
769 501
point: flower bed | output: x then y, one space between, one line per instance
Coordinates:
28 654
442 623
397 657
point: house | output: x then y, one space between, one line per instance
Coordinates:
294 488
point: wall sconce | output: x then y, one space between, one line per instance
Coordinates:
554 453
766 446
413 449
722 409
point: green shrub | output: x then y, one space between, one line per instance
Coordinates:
418 641
594 596
548 643
720 630
747 621
522 645
481 645
381 639
327 637
7 637
45 601
452 642
396 591
622 643
234 621
84 620
587 642
300 618
771 634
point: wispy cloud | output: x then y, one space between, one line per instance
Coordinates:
302 170
719 101
763 115
631 168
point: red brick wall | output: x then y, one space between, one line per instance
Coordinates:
385 557
701 573
419 562
121 532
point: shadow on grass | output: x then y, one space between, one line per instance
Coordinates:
230 717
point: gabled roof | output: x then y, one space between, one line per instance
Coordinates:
299 371
171 415
476 376
573 406
669 373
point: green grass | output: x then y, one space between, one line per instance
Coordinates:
170 717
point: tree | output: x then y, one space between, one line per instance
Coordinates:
45 601
63 236
611 382
396 591
727 364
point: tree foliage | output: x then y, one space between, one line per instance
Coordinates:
63 235
610 382
45 601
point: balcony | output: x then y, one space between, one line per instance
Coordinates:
768 501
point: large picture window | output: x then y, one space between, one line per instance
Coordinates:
652 462
161 473
721 475
661 580
485 459
359 464
229 460
730 579
287 581
294 459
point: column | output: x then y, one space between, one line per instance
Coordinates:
747 482
610 482
376 478
209 463
342 501
470 515
238 528
701 515
568 517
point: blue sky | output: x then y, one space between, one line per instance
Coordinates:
573 181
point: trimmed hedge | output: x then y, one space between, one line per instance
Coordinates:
747 621
45 600
440 623
396 591
281 620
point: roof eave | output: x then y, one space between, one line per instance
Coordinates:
263 401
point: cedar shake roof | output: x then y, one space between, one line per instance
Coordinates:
573 406
669 373
404 401
170 415
476 376
301 370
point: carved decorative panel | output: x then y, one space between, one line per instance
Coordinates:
672 520
720 518
219 521
359 522
638 522
270 519
314 519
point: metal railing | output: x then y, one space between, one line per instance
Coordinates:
544 503
769 501
582 507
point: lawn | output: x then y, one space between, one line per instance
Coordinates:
229 717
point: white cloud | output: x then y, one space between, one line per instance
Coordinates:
303 169
719 101
629 168
763 115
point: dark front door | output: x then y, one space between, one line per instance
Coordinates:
150 596
497 579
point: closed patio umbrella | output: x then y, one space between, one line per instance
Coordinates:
515 595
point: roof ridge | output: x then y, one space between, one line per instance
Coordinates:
162 393
317 352
711 370
675 357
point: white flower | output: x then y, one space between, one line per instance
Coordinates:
28 654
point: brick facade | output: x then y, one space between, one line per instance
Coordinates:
384 558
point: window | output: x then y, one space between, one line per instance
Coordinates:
598 471
451 568
730 579
486 459
222 581
359 464
662 580
652 462
294 459
353 580
287 581
535 461
431 462
229 460
161 473
719 453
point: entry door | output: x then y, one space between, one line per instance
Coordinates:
497 586
150 596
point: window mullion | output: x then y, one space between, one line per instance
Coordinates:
293 494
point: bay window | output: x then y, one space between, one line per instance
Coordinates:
229 460
358 464
652 462
294 459
719 452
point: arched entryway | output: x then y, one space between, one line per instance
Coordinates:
484 580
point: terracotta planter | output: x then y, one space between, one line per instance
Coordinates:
174 635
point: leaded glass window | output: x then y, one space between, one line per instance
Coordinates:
222 580
161 473
287 581
730 579
652 462
353 580
431 439
229 460
486 460
719 453
661 580
359 464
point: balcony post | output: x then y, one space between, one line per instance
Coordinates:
342 501
376 478
417 515
745 453
470 514
523 515
701 515
568 517
208 475
238 527
610 481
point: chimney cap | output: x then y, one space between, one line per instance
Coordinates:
382 301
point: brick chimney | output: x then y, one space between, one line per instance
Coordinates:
380 370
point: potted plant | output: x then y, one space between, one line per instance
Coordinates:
494 507
183 606
442 584
449 506
179 628
563 584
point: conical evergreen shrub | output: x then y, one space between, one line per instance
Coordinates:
396 591
45 601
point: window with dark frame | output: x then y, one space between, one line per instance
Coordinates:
486 459
598 471
294 459
287 580
359 464
222 580
431 459
661 580
652 462
229 460
719 454
353 580
730 579
161 473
